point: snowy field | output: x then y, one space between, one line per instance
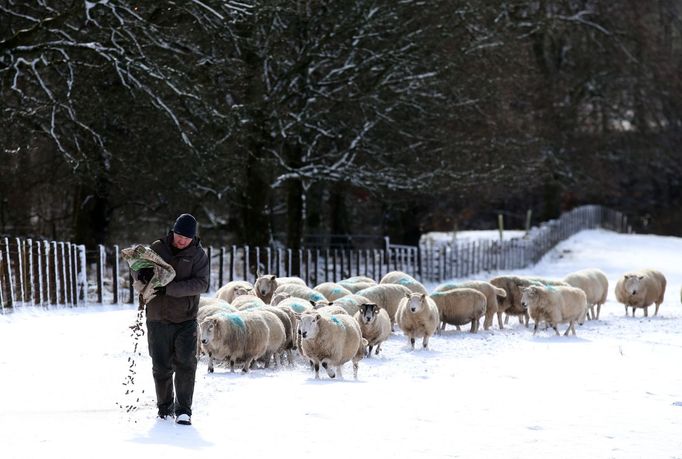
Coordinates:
614 391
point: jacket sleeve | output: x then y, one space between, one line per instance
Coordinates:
195 285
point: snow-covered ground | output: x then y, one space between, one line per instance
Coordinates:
444 237
614 391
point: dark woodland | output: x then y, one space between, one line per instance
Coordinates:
300 123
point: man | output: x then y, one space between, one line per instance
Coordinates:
172 319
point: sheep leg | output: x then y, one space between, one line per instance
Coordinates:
442 325
412 342
369 350
231 366
656 312
472 329
316 366
247 365
535 328
499 319
556 329
355 369
425 342
329 369
506 319
290 357
646 311
378 349
526 317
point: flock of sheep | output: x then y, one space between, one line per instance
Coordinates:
334 323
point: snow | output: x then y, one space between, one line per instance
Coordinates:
445 237
614 390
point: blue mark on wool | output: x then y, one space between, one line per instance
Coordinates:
236 320
336 321
406 282
337 291
298 307
439 293
448 287
317 297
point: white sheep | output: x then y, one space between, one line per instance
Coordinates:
208 308
237 336
511 304
555 305
595 284
356 286
227 291
640 289
211 301
375 325
277 339
332 291
277 299
386 296
331 341
418 317
300 291
330 309
266 285
460 306
245 302
351 303
491 294
404 279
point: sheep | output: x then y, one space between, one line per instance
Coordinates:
375 326
277 340
386 296
298 305
595 285
554 305
356 279
300 291
227 291
404 279
491 293
355 286
511 304
288 320
211 301
640 289
331 341
244 302
266 285
418 316
234 336
331 309
277 299
332 291
209 309
351 303
460 306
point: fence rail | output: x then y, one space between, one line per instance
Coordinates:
44 273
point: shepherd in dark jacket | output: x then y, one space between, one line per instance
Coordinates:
172 319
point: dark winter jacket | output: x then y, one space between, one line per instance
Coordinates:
181 301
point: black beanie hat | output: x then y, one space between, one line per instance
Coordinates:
185 225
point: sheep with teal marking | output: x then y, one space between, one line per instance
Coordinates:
404 279
332 291
357 283
351 303
247 302
491 295
330 341
301 291
277 338
236 336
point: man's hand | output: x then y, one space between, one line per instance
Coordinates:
158 291
145 275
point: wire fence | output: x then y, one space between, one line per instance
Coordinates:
46 273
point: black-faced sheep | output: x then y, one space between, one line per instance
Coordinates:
460 306
404 279
595 285
375 326
555 305
491 294
386 296
418 317
266 285
331 341
641 289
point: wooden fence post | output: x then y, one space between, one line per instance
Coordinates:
115 274
101 263
52 262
